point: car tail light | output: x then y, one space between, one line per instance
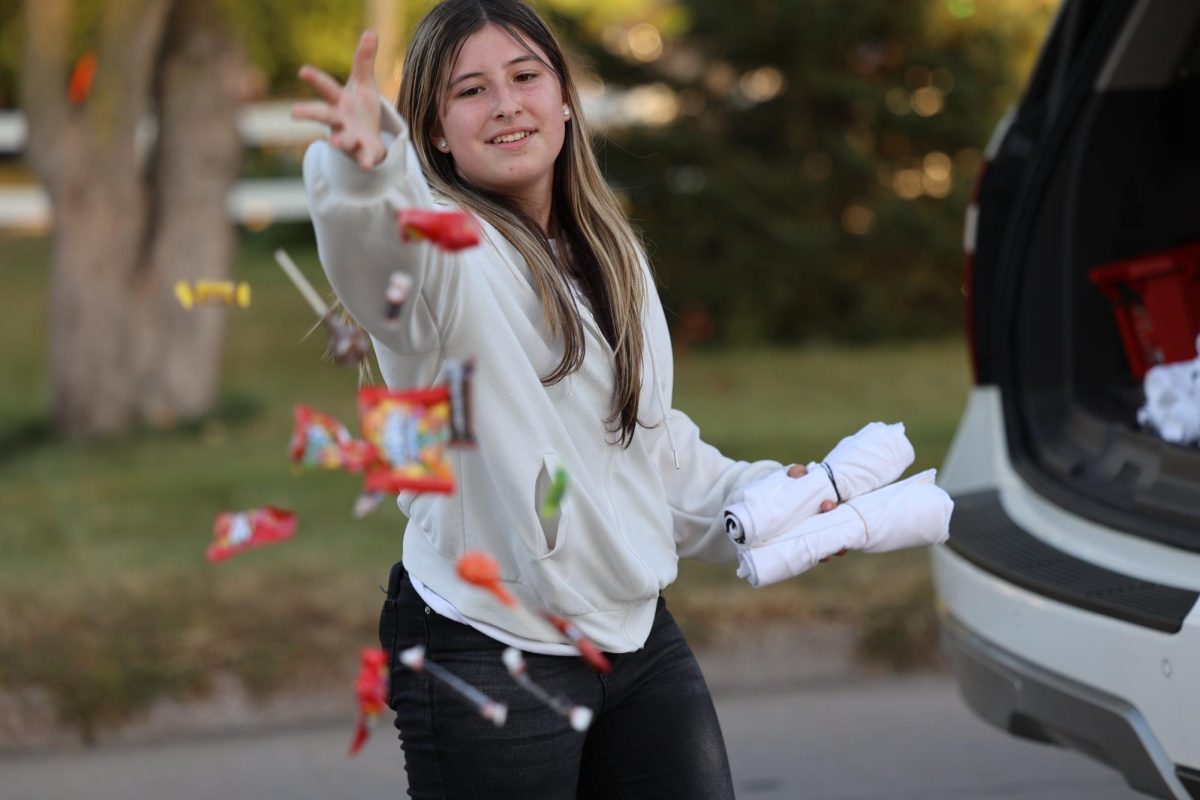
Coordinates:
970 223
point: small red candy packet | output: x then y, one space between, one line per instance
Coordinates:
237 531
371 687
448 230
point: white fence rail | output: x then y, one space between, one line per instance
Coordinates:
253 202
256 202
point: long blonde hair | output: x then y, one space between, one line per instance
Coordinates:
603 249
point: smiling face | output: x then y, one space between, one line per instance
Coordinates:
502 118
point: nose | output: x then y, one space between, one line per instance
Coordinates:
507 105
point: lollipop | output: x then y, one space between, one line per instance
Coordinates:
480 569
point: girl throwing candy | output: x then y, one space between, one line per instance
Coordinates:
573 371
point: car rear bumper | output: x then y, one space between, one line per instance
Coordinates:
1028 701
1064 630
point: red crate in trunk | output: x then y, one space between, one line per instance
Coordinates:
1156 301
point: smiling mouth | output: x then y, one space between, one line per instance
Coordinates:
509 138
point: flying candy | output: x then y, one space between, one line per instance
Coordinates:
554 497
459 374
221 293
414 659
83 75
366 503
348 343
409 431
580 717
399 285
235 532
371 687
591 654
319 440
481 570
448 230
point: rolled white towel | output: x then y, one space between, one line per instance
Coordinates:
874 456
911 513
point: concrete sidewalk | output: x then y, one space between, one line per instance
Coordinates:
905 738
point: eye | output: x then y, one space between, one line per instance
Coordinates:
525 77
471 91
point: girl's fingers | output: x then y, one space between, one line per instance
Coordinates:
364 58
797 471
352 145
325 86
366 158
373 154
316 112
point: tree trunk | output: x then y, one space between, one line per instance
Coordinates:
197 159
118 345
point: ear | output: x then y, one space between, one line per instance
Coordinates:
438 137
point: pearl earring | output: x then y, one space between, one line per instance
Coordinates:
442 144
566 112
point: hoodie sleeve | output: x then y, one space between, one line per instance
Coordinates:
699 480
354 218
699 490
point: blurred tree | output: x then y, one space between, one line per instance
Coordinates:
134 210
803 166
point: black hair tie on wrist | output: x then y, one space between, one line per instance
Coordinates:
829 472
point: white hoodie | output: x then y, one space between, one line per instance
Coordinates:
628 513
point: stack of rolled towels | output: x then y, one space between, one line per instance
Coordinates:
781 532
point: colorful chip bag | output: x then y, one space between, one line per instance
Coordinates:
409 431
318 440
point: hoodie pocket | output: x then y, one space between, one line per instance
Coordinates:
555 525
555 573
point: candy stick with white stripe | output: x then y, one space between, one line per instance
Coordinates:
310 294
414 659
578 716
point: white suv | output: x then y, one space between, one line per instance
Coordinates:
1071 577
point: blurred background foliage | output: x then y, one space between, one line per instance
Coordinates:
799 168
813 174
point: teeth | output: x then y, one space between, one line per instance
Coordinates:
512 137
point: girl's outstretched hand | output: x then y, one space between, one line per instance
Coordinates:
351 111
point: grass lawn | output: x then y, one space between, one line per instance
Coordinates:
106 601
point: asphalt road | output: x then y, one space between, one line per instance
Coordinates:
862 739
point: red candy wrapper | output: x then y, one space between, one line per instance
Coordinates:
449 230
83 75
319 440
236 532
409 432
371 687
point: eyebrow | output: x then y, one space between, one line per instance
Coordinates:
516 60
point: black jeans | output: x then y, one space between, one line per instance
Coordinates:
654 735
